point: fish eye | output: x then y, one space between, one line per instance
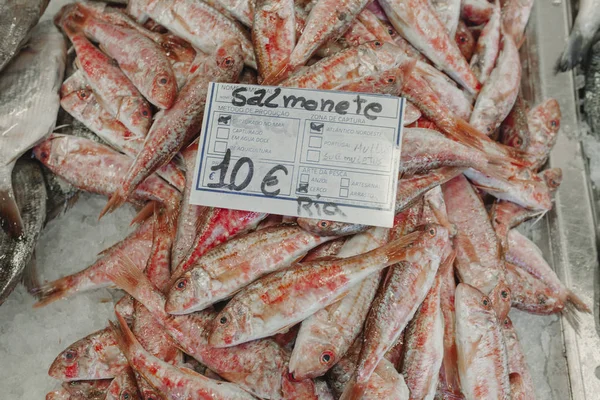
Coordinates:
326 357
554 123
390 31
228 61
145 113
82 94
181 284
377 43
70 354
125 396
486 301
519 141
391 80
504 294
324 224
463 39
223 320
162 81
553 183
506 322
432 232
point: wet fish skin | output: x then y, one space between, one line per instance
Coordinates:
516 361
416 21
482 355
448 12
581 37
30 196
514 130
488 47
96 356
231 266
544 124
273 34
591 101
476 11
17 19
29 103
515 15
88 389
287 297
168 379
500 90
325 336
123 386
177 126
531 295
465 41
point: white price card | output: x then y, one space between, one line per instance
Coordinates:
307 153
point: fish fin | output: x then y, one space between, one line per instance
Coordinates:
53 291
115 201
576 302
279 73
488 189
467 247
467 134
353 390
396 250
571 315
129 277
10 216
447 263
125 338
144 213
576 48
30 276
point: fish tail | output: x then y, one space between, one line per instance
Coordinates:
53 291
575 301
144 213
115 201
128 277
10 216
396 250
466 133
571 315
576 48
30 277
279 73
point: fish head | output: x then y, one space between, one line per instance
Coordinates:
229 59
550 110
315 357
53 151
553 178
231 326
323 227
434 240
76 101
137 111
164 89
473 301
93 357
190 292
501 299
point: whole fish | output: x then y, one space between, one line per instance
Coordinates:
197 22
582 35
516 360
17 19
476 11
448 11
136 246
118 95
273 34
16 262
465 41
488 47
97 168
514 130
229 267
482 356
214 226
404 289
259 366
478 259
96 356
29 100
284 298
523 253
325 336
141 59
591 101
424 341
89 389
544 123
78 99
172 381
515 14
123 386
327 20
500 90
175 127
416 21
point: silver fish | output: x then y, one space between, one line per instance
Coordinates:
591 101
17 18
29 104
582 35
16 253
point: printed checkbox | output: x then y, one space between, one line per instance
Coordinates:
313 155
316 127
302 188
224 119
222 133
220 147
304 178
343 192
345 182
315 142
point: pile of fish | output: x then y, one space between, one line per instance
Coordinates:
229 304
